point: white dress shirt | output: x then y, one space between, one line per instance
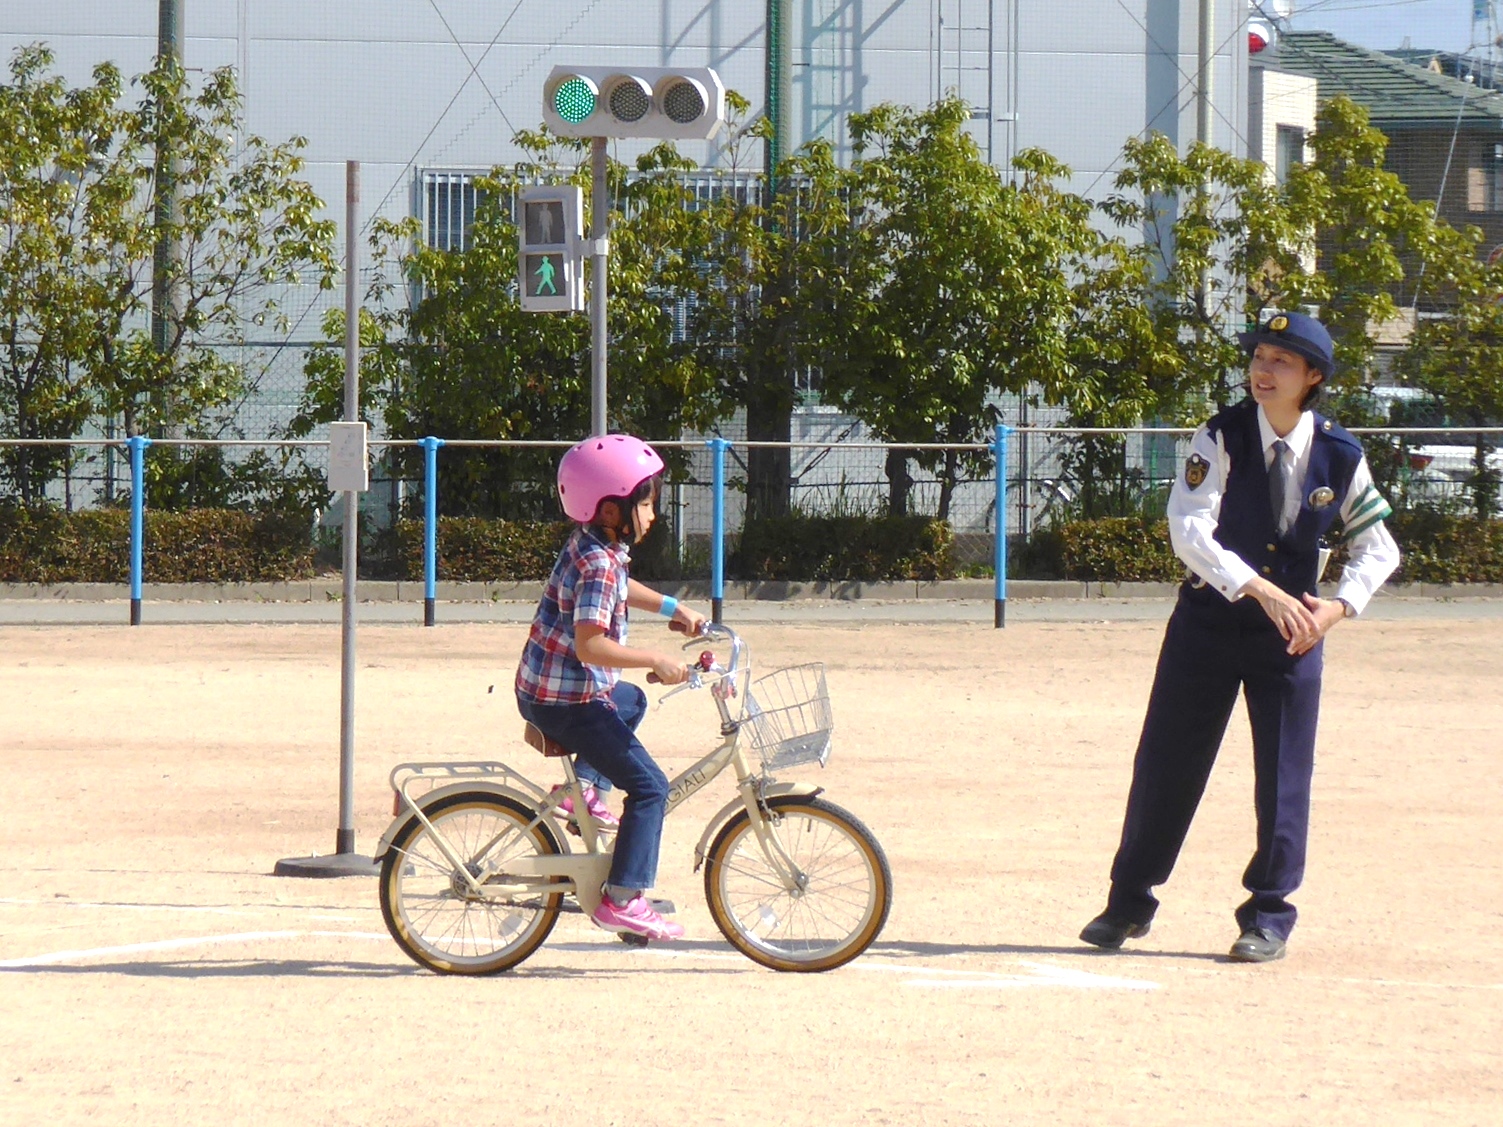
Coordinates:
1194 513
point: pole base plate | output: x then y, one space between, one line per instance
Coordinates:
329 865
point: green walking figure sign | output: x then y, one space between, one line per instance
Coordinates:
545 272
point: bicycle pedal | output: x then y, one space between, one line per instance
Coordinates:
602 831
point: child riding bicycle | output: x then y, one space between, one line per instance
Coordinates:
568 682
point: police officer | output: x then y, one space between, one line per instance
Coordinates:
1265 481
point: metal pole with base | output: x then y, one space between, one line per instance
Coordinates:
999 554
430 447
137 444
718 447
348 472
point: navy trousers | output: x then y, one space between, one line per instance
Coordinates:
1211 649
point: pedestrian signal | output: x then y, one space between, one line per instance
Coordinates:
550 259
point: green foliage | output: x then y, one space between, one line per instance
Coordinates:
183 479
475 549
63 182
1375 247
1440 547
800 547
941 286
47 545
85 201
1436 547
1112 550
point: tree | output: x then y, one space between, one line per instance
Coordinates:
943 288
1374 247
78 178
64 186
242 226
752 252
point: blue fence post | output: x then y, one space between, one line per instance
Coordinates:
137 444
430 447
718 447
999 558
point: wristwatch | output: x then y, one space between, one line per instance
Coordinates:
1346 608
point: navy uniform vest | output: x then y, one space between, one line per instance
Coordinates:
1248 525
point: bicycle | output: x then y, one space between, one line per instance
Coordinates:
474 872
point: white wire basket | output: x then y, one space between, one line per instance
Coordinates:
788 716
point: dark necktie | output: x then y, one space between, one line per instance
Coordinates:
1278 482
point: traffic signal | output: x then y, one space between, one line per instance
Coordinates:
550 261
673 103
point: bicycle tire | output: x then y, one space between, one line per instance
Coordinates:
834 918
424 901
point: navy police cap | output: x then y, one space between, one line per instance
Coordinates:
1298 333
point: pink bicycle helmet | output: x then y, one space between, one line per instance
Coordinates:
610 465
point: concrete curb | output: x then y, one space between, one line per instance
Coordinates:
406 591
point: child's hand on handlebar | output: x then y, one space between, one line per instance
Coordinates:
686 620
668 670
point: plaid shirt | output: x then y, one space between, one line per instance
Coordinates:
588 585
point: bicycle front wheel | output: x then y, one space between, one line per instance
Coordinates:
842 893
428 905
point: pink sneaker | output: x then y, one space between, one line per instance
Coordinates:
593 803
635 916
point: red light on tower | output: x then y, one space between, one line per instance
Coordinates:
1259 35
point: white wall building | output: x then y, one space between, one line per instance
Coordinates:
425 93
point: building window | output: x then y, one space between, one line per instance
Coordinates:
1288 150
1485 180
446 205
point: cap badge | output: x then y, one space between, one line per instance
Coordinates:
1322 497
1278 324
1196 469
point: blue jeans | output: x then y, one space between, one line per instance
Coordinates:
602 736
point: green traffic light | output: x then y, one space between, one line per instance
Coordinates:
574 100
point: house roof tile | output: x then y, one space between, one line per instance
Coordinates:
1396 93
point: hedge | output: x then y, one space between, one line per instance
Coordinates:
474 548
1435 547
49 545
224 546
800 547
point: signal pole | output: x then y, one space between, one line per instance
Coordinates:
599 255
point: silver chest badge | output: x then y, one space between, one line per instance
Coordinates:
1322 497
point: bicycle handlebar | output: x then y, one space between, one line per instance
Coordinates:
707 664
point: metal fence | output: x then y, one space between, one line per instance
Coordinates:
705 505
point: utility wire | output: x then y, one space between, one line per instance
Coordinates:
439 121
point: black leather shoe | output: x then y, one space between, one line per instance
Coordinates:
1257 945
1110 932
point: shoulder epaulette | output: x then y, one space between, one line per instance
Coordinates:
1329 428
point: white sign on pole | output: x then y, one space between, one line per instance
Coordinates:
349 458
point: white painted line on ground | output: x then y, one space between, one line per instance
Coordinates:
207 909
942 978
933 978
56 957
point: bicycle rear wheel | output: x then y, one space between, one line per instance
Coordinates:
428 905
842 902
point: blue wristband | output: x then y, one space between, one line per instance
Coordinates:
670 604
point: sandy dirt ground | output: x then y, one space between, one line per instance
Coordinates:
153 971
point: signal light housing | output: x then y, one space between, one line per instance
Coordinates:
669 103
